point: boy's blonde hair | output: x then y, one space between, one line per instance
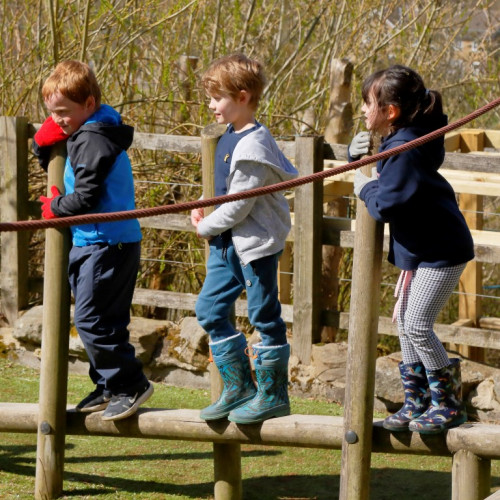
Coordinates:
229 75
74 80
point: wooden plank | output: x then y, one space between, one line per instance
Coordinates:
168 222
452 141
492 138
160 142
471 140
170 143
494 496
478 337
187 301
472 181
486 244
487 336
490 323
472 162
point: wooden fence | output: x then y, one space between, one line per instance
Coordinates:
472 446
311 230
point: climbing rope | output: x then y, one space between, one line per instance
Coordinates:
282 186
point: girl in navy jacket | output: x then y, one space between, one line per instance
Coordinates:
429 240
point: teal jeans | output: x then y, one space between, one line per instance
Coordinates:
225 281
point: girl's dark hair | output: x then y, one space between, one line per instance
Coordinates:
403 87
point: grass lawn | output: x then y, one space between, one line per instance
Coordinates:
114 468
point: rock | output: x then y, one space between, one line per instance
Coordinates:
389 394
185 346
28 327
324 377
484 401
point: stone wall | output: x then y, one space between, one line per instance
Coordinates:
177 354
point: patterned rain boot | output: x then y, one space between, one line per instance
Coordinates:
417 397
234 368
446 409
271 370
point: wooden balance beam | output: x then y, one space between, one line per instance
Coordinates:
306 431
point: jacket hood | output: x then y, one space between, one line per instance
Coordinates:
259 146
108 122
433 151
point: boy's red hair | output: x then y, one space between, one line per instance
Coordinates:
74 80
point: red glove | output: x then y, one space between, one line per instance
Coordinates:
49 133
46 210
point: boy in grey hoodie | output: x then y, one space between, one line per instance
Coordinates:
246 238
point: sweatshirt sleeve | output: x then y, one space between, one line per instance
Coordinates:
397 183
92 156
247 175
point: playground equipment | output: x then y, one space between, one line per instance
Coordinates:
472 446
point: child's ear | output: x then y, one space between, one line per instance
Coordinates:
244 97
90 103
393 112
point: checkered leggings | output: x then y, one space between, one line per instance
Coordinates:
420 303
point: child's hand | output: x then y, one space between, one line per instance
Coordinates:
49 133
197 215
360 144
361 180
46 210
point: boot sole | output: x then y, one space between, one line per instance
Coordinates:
91 409
225 413
395 429
440 429
279 412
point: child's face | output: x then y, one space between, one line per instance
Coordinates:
69 115
231 110
375 117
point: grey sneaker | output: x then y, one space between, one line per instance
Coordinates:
97 400
124 406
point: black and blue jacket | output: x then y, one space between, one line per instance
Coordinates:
427 228
98 179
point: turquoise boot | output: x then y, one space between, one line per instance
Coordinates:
271 370
417 397
447 409
234 367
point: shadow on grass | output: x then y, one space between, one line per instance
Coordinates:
386 483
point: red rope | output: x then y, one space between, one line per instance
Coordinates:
282 186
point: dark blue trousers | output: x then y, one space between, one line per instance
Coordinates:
102 278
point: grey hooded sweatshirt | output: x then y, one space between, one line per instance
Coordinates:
259 225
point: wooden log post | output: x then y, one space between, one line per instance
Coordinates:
337 131
307 249
471 476
14 207
227 457
361 355
55 344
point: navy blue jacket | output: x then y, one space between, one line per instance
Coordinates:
426 226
